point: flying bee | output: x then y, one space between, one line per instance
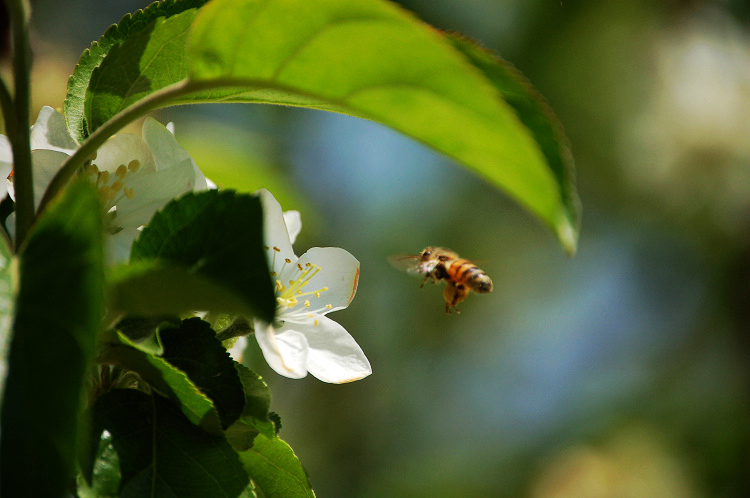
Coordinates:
438 263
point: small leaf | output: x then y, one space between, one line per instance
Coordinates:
58 312
116 349
219 236
129 26
6 309
195 350
104 472
255 417
275 469
161 453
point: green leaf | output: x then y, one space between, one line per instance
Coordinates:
6 308
195 350
104 473
241 435
219 236
150 60
58 313
156 288
161 453
535 114
128 27
168 380
275 469
366 58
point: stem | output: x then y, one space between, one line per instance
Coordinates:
101 134
237 328
19 133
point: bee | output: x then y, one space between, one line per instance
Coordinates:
438 263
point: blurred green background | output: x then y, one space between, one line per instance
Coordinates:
622 372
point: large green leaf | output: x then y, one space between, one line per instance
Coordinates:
275 469
534 113
128 27
366 58
161 453
58 313
219 236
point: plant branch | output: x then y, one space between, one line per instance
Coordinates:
19 133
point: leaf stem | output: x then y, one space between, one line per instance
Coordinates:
18 132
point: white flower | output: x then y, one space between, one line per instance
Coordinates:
135 176
324 279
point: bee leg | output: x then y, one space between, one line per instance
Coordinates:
454 294
424 281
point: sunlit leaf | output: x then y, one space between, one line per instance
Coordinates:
535 114
58 311
366 58
275 469
128 27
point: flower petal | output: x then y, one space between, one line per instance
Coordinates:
50 132
293 222
334 356
285 349
163 145
6 151
121 149
275 231
45 164
339 273
152 191
118 244
237 351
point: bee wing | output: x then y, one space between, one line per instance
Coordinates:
406 262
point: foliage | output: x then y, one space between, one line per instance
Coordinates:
111 370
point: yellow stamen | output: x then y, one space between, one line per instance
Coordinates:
134 165
307 303
103 178
129 193
121 171
116 186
